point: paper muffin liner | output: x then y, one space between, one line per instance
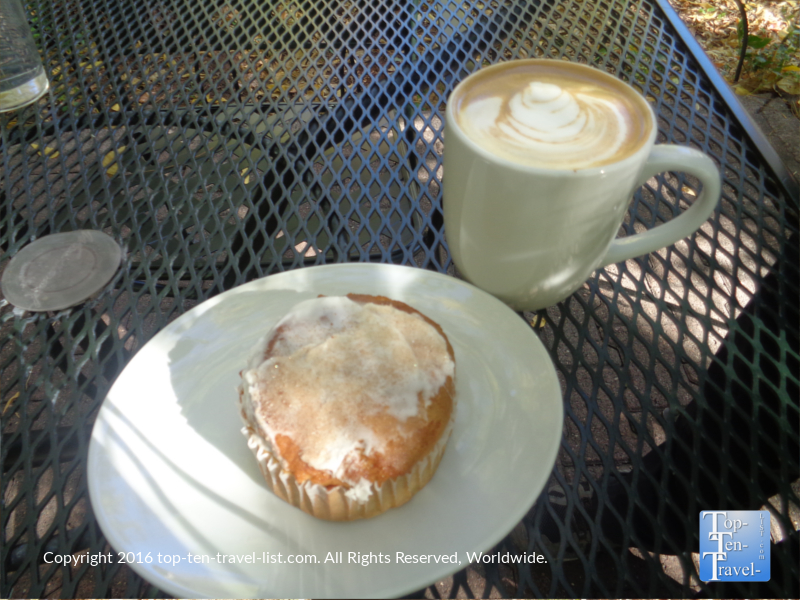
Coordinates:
334 503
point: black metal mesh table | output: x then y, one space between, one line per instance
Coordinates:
222 141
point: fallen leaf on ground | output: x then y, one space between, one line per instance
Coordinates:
790 85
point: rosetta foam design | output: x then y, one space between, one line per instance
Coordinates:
552 124
544 112
549 116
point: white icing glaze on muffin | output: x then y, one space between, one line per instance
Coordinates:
343 379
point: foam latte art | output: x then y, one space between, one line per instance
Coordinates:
552 122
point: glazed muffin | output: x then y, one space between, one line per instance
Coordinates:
348 405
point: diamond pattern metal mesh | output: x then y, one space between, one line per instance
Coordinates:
226 140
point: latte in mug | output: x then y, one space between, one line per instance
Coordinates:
552 114
541 158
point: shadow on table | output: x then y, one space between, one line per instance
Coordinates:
172 505
210 350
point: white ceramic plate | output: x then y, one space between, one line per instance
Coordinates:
170 474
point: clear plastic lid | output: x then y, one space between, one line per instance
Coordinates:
61 270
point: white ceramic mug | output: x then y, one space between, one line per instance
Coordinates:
532 236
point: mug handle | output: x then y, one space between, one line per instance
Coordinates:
662 158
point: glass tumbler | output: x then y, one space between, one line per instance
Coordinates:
22 76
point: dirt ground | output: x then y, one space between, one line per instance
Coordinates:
766 93
772 114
